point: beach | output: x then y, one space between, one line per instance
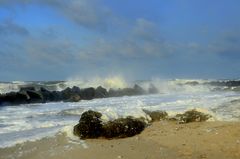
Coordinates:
44 130
105 79
163 139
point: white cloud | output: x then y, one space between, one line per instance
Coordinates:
86 13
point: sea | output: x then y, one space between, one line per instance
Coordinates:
31 122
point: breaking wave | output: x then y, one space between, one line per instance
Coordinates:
116 82
35 121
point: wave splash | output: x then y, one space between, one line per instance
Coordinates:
35 121
118 82
114 82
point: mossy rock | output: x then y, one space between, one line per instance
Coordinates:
89 126
192 116
123 127
156 115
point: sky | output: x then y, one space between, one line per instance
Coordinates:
135 39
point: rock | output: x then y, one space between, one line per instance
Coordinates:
22 97
193 83
27 88
90 125
37 94
71 95
76 90
35 97
123 127
74 98
114 93
100 92
152 89
138 90
47 95
156 115
51 96
192 116
14 98
66 93
56 96
87 93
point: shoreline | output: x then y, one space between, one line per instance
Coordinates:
164 139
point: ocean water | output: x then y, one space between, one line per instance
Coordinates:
31 122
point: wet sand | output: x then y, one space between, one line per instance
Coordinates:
161 140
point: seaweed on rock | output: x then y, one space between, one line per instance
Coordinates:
156 115
192 116
91 126
123 127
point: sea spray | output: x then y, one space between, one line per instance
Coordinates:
29 121
114 82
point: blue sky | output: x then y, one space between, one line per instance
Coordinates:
136 39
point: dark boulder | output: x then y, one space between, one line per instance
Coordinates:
47 95
21 97
26 88
66 93
90 125
35 97
114 93
87 93
192 116
51 96
156 115
71 95
123 127
74 98
56 96
14 98
100 92
76 90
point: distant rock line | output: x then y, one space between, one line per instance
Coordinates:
28 95
227 83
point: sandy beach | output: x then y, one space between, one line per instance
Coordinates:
119 79
164 139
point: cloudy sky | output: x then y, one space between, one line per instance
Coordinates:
136 39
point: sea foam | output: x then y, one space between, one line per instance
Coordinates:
29 122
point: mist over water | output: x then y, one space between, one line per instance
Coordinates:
114 82
109 82
34 121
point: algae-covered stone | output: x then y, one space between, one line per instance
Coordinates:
156 115
192 116
90 125
123 127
